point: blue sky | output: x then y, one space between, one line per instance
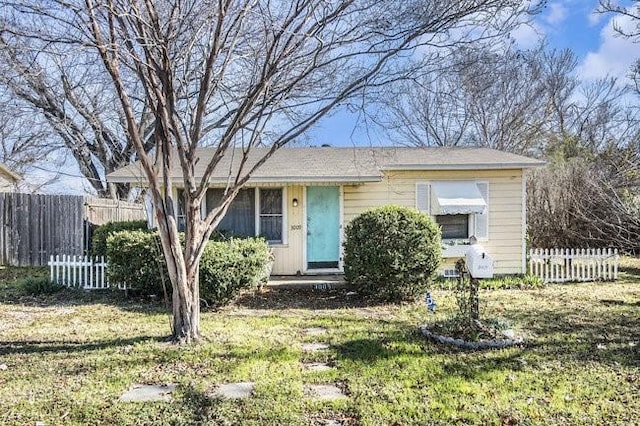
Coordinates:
563 23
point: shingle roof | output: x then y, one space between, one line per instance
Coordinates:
345 164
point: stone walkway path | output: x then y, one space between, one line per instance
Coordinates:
243 390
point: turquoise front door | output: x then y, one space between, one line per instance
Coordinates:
323 227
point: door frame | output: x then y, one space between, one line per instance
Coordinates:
340 268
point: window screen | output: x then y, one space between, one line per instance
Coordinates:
454 226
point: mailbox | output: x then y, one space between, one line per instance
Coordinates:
479 263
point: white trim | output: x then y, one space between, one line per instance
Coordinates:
256 212
524 224
304 229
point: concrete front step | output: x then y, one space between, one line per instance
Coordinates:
317 282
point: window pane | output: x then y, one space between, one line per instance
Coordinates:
240 218
271 201
271 228
454 226
180 214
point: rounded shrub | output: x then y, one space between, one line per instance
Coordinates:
392 253
102 232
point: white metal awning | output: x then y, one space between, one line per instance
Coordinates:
457 198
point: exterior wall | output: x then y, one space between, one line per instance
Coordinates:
506 233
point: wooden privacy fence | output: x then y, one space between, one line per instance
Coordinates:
566 265
99 211
80 271
37 226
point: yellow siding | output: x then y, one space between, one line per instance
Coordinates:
505 206
288 256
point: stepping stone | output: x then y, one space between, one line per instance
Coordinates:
315 331
314 347
148 393
240 390
317 366
324 392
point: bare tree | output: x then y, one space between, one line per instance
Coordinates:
481 97
58 86
238 73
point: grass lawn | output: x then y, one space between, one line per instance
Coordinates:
69 357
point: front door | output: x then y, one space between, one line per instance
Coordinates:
323 227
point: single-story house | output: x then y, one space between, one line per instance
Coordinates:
301 199
8 179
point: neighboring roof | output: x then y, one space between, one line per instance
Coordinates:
7 173
342 165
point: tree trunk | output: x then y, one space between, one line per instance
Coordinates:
186 309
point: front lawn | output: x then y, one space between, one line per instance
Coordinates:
67 358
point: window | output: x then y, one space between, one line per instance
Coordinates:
271 214
240 218
253 212
454 226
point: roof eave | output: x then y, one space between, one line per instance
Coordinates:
9 173
264 179
477 166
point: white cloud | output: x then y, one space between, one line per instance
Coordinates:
557 14
594 18
528 35
614 56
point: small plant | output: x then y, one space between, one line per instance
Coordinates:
392 253
40 285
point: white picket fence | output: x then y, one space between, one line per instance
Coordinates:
79 271
566 265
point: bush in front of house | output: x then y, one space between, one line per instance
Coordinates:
135 258
102 232
226 267
392 253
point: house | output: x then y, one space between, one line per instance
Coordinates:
8 179
301 199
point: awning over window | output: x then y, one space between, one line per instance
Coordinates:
457 198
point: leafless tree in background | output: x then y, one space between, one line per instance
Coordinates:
237 73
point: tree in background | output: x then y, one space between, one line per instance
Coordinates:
235 74
531 102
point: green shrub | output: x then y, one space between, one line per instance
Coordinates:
135 258
40 285
226 267
392 253
100 235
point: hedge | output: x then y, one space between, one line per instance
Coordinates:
392 253
102 232
226 267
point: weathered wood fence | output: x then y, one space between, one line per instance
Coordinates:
37 226
99 211
566 265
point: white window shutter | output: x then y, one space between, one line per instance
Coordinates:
482 220
423 197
